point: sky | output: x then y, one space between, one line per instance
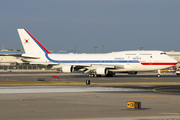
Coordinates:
117 25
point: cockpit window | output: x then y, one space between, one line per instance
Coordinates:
163 53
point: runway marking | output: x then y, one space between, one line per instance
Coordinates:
64 82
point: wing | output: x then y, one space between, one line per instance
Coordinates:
91 67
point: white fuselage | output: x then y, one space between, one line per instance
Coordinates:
130 60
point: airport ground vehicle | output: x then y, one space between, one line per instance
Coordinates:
178 72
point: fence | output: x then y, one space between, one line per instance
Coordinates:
25 67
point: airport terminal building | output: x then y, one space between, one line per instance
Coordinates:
12 60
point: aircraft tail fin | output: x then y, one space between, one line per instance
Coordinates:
30 44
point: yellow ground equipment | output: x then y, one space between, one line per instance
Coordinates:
135 105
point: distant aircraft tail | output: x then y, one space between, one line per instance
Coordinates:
30 44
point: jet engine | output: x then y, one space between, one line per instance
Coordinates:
67 69
101 71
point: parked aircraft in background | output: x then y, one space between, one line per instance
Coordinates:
95 64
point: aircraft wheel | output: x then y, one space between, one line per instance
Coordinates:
111 75
90 75
107 75
99 75
158 75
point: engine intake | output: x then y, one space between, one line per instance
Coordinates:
101 71
67 69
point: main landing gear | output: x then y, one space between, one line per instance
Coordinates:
94 75
110 74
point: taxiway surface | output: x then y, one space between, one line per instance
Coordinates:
78 77
88 102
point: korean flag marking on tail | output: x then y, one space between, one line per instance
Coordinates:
26 41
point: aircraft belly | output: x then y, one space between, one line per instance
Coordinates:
139 67
153 67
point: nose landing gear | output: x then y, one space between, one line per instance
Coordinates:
159 74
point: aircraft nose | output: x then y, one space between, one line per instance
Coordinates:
174 61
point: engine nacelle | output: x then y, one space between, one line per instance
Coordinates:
101 71
132 72
67 69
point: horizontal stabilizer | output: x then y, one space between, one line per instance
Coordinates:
30 56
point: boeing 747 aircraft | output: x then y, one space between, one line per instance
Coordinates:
95 64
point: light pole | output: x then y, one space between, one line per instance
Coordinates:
95 48
102 48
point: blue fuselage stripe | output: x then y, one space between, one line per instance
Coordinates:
91 61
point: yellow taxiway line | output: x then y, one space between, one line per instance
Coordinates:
60 82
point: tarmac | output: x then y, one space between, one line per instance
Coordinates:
89 102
